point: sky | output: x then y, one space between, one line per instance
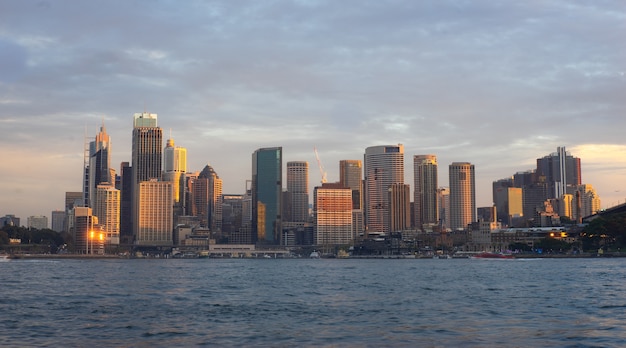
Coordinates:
495 83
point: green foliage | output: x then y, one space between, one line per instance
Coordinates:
45 237
550 244
607 232
520 246
4 238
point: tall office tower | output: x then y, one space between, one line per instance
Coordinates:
58 220
39 222
351 175
333 215
155 220
100 171
72 199
207 195
508 201
443 196
190 179
425 190
126 200
535 191
399 196
384 165
174 169
562 172
146 158
266 192
462 195
231 213
85 231
107 209
298 190
244 234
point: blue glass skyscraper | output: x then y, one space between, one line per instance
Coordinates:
267 164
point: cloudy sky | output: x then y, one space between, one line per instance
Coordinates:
495 83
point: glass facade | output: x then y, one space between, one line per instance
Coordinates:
266 195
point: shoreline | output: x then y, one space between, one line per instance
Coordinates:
362 257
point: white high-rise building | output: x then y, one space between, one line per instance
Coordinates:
37 222
147 158
462 195
384 165
174 169
107 209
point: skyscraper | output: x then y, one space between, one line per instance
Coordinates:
155 221
207 195
266 192
443 196
351 176
58 220
508 201
100 171
174 169
462 195
298 190
425 190
107 209
126 203
333 215
399 207
561 171
384 165
146 157
85 230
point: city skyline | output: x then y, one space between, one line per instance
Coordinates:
498 86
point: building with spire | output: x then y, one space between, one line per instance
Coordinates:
100 170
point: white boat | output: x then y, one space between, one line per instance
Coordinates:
314 255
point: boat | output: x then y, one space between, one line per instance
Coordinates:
488 255
315 255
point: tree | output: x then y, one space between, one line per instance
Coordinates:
607 231
552 244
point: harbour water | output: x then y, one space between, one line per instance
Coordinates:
321 303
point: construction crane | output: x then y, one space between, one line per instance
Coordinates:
319 164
